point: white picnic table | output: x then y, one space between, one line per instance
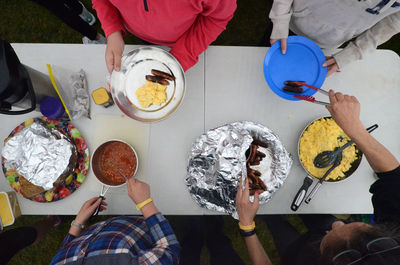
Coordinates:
226 85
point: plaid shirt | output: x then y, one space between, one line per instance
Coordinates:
136 241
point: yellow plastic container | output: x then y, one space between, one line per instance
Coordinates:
9 208
102 97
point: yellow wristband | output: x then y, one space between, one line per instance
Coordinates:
139 206
247 227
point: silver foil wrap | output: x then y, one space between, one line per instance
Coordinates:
217 160
38 155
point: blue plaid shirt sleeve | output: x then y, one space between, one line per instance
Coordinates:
68 238
166 246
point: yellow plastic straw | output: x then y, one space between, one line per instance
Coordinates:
53 81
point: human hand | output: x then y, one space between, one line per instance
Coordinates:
345 110
88 208
114 50
138 191
283 44
246 209
332 65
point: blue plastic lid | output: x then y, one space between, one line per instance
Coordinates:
51 107
302 62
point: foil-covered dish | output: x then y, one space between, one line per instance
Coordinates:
218 159
41 157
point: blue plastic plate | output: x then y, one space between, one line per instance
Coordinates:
302 62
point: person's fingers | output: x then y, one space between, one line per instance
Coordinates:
95 204
329 62
90 202
283 46
347 98
354 99
102 208
131 182
110 62
332 97
329 108
245 193
136 181
256 199
273 41
117 62
104 203
331 70
339 96
240 190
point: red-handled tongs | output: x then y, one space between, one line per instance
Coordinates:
308 98
302 83
311 99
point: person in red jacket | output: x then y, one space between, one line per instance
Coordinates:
187 26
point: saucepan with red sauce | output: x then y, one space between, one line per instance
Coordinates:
109 160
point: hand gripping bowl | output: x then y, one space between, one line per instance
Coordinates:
99 171
135 65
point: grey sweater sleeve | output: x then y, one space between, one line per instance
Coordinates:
369 40
280 15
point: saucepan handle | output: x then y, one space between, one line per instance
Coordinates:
301 194
372 128
313 192
98 207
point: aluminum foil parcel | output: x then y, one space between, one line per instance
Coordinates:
38 154
217 160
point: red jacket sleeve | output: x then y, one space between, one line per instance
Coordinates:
206 28
109 16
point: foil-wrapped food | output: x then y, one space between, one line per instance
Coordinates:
41 157
218 159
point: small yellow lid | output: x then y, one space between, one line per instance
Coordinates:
6 214
100 96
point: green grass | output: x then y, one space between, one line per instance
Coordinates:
26 22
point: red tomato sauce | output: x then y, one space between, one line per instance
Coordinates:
124 159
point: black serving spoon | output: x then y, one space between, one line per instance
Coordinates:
336 163
326 158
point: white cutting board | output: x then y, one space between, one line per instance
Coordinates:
120 127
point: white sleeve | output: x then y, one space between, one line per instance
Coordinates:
280 14
369 40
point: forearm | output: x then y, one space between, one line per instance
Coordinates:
280 15
109 16
256 251
379 158
369 40
149 210
74 231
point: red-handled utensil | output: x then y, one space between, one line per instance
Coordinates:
311 99
302 83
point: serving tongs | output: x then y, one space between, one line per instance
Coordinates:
305 97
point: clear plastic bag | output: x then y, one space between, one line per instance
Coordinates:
73 91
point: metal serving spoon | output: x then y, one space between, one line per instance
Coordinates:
326 158
120 173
